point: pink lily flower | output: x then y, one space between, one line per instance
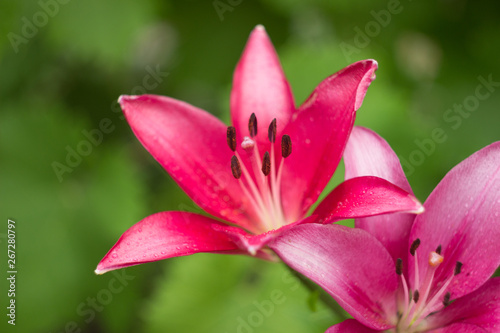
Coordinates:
403 273
246 175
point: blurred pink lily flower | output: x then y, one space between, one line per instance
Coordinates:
247 175
401 273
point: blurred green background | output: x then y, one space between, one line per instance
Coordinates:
63 63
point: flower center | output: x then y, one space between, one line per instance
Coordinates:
261 182
426 298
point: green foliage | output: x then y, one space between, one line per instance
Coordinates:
208 293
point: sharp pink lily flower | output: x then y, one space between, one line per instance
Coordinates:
401 273
247 175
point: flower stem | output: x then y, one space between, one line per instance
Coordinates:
323 295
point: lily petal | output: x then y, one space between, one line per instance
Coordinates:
460 328
260 87
463 216
480 308
165 235
191 145
254 243
350 326
365 196
319 133
362 279
368 154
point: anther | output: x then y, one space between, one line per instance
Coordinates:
414 246
252 125
271 132
458 268
231 137
446 299
399 266
438 250
235 167
286 146
416 296
266 164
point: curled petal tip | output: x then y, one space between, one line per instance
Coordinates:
369 67
127 98
260 27
419 207
122 98
420 210
99 271
373 62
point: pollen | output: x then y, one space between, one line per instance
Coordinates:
286 146
252 125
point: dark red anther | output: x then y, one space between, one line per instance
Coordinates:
266 164
271 132
438 250
286 146
399 266
414 246
416 296
235 167
458 268
446 299
231 138
252 125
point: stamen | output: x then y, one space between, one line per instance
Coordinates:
231 137
414 246
286 146
438 250
399 266
446 299
271 132
252 125
266 164
416 296
458 268
235 167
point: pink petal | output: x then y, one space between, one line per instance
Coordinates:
349 264
319 132
191 145
165 235
367 154
260 87
463 216
460 328
365 196
480 308
253 243
350 326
